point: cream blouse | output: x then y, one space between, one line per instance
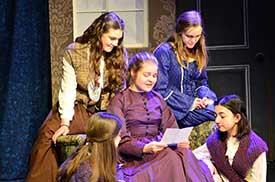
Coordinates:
67 93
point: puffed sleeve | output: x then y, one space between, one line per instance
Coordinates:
67 92
203 89
178 101
258 171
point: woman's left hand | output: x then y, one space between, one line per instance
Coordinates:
154 147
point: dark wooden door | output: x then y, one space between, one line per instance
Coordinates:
239 38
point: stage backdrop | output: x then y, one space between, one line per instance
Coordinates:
161 20
24 81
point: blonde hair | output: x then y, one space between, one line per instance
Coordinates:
186 21
136 63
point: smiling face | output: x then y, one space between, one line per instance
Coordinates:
226 121
145 78
110 39
191 36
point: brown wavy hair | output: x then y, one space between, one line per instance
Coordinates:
99 149
185 21
115 60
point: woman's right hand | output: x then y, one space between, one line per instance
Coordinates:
154 147
207 101
63 130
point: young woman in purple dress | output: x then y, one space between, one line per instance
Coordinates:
94 68
145 117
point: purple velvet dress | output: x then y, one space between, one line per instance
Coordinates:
145 117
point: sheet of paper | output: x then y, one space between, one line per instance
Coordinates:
176 135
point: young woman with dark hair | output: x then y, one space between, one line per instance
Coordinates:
234 152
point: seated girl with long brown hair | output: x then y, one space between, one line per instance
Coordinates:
96 159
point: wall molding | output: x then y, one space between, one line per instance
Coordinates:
245 44
246 73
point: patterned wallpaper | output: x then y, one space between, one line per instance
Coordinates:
161 23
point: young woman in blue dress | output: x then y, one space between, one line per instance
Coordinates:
182 76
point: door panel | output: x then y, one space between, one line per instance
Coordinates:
240 56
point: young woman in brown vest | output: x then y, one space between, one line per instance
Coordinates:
93 71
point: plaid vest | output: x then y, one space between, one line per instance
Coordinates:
77 55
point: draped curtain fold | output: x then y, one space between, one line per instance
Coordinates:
25 91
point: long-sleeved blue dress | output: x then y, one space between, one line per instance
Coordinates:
180 86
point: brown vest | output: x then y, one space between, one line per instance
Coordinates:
77 55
